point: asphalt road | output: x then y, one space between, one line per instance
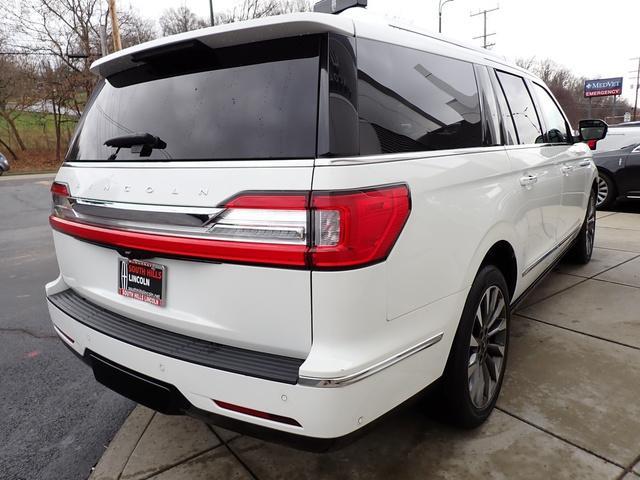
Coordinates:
55 419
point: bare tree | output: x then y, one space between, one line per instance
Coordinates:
262 8
66 30
17 79
568 89
135 29
180 20
56 88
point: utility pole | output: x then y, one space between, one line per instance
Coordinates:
635 108
440 5
485 34
115 27
213 21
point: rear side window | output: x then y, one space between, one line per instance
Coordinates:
411 101
522 109
556 130
491 131
255 101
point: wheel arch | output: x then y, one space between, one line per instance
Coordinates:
502 256
497 248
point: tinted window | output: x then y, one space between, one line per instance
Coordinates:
343 98
491 117
248 102
411 101
521 107
506 120
555 124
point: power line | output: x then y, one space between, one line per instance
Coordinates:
27 53
485 34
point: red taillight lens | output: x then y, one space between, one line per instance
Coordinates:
592 144
61 189
349 229
353 229
257 413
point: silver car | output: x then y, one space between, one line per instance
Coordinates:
4 164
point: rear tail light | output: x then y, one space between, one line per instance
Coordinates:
357 228
317 230
61 205
60 189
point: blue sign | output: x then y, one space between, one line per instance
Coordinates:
603 87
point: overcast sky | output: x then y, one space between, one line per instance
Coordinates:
593 38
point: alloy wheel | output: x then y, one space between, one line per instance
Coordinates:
591 224
487 347
603 191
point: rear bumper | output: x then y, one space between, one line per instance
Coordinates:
322 413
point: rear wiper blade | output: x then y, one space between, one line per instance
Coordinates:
142 143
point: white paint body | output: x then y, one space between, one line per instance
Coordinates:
463 202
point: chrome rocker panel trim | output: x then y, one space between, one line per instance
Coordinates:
568 239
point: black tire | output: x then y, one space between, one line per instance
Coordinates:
583 247
607 191
457 381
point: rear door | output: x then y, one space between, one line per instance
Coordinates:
536 172
239 127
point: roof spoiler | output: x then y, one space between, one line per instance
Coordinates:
238 33
337 6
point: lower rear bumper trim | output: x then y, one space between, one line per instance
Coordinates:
262 365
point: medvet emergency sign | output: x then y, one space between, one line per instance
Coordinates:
603 87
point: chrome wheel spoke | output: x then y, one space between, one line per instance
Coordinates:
497 312
477 385
479 319
488 384
500 327
473 365
603 190
494 365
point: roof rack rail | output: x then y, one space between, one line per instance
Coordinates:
337 6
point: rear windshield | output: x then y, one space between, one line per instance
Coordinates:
255 101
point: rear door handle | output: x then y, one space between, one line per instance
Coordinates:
528 180
584 163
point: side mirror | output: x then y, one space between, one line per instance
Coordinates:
592 130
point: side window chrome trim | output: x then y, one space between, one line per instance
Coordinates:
399 157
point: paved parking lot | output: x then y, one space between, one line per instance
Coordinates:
54 417
570 406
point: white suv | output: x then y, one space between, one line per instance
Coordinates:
302 221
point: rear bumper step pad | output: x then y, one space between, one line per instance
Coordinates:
267 366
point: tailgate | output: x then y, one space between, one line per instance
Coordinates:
263 308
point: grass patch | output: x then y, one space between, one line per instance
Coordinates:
37 131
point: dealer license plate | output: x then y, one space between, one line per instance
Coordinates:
142 281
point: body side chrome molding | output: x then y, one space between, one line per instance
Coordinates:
371 370
574 233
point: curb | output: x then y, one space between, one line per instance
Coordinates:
27 176
115 458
